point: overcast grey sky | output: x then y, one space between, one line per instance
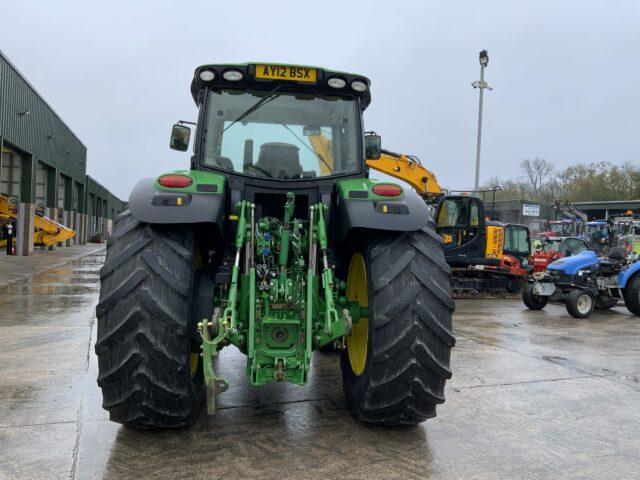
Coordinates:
565 74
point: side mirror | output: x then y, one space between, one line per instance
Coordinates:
372 146
311 131
180 136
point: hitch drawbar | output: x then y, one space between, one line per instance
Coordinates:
281 303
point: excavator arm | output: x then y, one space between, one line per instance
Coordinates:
398 165
409 169
569 210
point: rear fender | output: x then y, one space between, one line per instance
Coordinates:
202 202
358 207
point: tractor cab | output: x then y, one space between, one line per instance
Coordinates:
559 228
599 234
469 238
264 130
626 232
276 122
517 242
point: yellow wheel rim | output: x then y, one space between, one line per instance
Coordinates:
194 357
357 291
194 360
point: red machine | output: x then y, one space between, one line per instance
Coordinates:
516 272
558 228
572 222
541 259
554 248
537 227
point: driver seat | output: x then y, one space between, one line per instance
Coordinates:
281 160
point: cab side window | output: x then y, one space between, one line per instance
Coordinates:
581 247
573 246
452 214
458 221
474 217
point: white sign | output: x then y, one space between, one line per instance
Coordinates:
530 210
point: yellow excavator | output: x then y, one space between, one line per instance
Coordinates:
485 256
46 231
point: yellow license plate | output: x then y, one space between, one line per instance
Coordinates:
283 72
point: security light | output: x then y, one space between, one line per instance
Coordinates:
484 58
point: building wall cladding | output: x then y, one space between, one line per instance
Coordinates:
40 133
511 211
101 202
50 160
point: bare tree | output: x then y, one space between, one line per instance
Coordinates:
578 182
538 172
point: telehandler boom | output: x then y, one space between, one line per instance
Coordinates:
46 231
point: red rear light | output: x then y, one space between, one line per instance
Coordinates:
175 181
386 190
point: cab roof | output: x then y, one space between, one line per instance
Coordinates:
250 80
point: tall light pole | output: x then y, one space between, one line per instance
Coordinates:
481 85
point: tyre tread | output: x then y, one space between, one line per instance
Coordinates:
631 294
144 326
412 331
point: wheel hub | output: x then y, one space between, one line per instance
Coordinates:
584 303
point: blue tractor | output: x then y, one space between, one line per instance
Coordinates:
585 281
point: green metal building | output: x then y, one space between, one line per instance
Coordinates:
519 211
523 211
606 209
43 165
102 207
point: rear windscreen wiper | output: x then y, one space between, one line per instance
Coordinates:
263 101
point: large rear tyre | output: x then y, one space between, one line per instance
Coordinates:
148 365
532 301
631 294
397 360
580 304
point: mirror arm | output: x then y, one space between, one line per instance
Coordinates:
186 122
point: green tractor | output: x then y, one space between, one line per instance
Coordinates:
277 242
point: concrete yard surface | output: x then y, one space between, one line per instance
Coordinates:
14 268
534 395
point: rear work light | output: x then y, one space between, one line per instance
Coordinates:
336 82
232 75
359 86
175 181
207 75
386 190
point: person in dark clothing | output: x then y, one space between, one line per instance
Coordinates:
8 232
